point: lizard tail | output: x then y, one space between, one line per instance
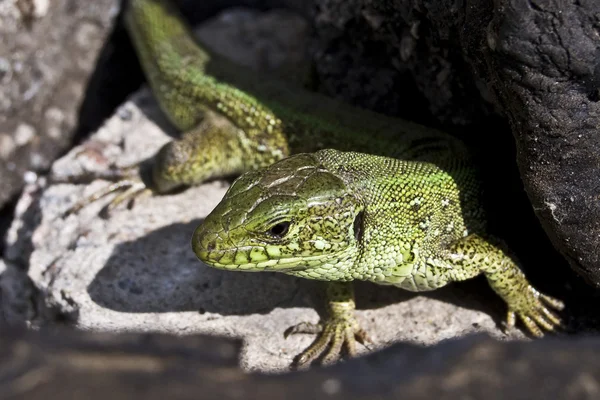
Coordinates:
168 54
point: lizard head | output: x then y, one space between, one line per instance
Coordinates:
294 216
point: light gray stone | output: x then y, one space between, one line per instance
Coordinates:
48 52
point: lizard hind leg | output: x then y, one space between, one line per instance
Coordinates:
211 150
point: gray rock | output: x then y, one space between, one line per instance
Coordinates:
136 271
535 64
48 49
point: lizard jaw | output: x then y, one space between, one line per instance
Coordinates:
240 259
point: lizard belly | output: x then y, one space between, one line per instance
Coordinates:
418 277
418 274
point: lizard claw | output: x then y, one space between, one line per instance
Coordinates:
333 335
533 311
128 185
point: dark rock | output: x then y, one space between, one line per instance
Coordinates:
461 65
544 66
71 365
403 58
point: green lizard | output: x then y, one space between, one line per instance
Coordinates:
404 211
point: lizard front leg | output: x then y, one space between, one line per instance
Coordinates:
339 329
475 254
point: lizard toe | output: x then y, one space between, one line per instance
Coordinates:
128 190
532 327
541 321
128 196
335 335
553 318
552 302
303 327
533 312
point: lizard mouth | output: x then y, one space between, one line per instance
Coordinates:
269 265
253 258
217 251
240 259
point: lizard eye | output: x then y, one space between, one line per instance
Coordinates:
279 230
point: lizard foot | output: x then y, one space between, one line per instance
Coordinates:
128 184
532 308
333 335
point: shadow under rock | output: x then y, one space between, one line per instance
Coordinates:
21 301
160 273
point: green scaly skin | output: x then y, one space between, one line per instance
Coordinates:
405 214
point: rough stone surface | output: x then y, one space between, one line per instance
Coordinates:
274 41
136 271
463 64
47 53
401 58
544 66
68 365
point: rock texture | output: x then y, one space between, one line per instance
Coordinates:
48 50
544 66
70 365
462 64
